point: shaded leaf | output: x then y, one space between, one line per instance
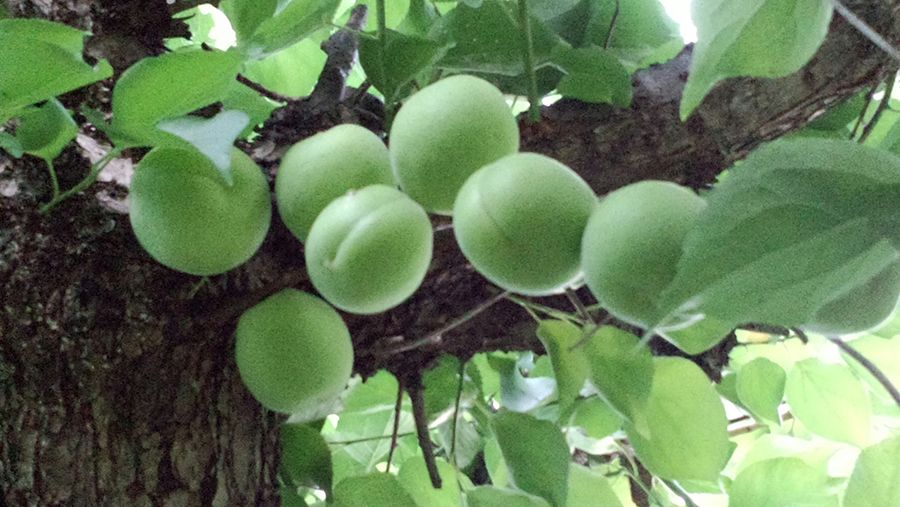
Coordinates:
688 429
517 392
596 418
761 38
787 482
290 24
213 137
402 57
44 131
305 457
536 454
829 400
593 75
570 367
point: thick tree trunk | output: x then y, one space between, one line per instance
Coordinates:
117 383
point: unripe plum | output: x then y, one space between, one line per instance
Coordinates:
293 352
632 244
862 308
519 221
323 167
446 132
369 250
187 217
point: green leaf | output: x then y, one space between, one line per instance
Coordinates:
795 226
246 15
760 386
536 454
170 86
883 353
441 385
290 24
699 336
45 130
11 145
395 12
213 137
688 429
781 482
403 57
376 489
727 389
291 498
495 464
760 38
305 457
596 418
829 400
413 476
245 99
590 489
570 367
292 71
838 117
493 496
487 39
816 453
875 481
622 371
643 34
517 392
469 441
40 60
419 19
593 75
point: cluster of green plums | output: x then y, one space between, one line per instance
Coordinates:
525 221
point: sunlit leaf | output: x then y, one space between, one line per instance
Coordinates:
688 430
213 137
246 15
493 496
875 481
414 478
590 489
761 38
536 454
760 387
305 457
170 86
596 418
376 489
570 367
256 107
699 336
292 71
829 400
40 59
781 482
622 371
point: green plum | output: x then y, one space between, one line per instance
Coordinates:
323 167
862 308
632 245
187 217
519 222
293 352
369 250
446 132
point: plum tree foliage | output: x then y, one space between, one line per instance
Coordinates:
803 235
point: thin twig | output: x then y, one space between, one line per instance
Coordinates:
434 336
534 100
83 184
369 439
459 389
680 492
882 106
262 90
579 305
397 409
870 366
420 415
866 30
862 115
612 27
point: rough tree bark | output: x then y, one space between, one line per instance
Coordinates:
117 383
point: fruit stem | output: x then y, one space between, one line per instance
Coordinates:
397 409
870 366
83 184
389 107
579 305
534 100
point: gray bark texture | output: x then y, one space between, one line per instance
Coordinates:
117 380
